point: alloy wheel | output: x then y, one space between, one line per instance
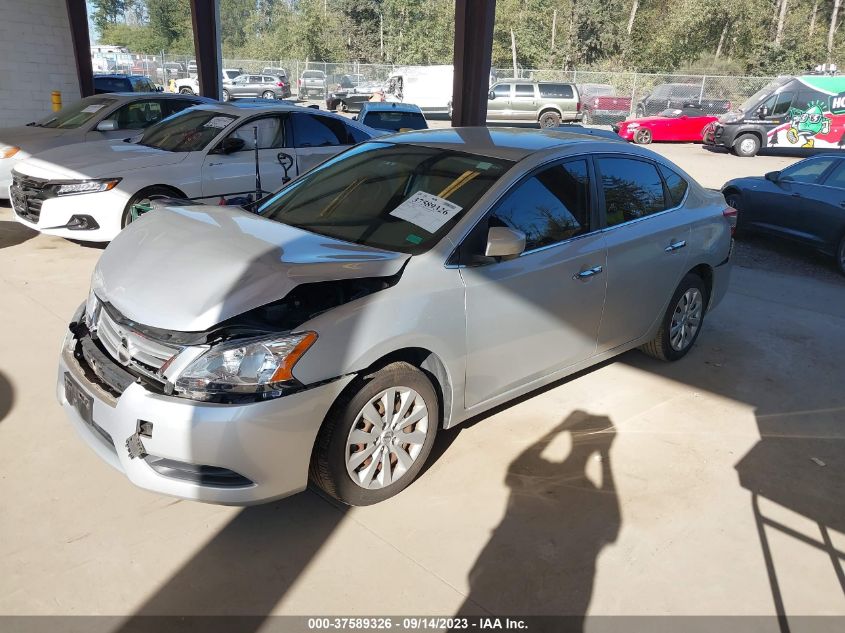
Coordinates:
686 319
386 438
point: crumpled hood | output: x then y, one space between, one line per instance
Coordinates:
99 159
187 268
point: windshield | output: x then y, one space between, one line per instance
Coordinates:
76 114
187 131
395 197
395 121
231 74
761 94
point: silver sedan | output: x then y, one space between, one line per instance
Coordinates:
397 289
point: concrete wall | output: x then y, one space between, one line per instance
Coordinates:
36 57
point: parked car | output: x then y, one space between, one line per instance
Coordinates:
329 336
98 118
264 86
677 96
311 82
123 83
545 103
600 104
276 72
207 152
675 124
392 117
171 70
802 203
351 98
790 112
191 85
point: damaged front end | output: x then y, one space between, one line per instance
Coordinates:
247 358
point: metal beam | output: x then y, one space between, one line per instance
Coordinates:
205 18
77 16
473 52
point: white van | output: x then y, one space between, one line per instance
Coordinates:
429 87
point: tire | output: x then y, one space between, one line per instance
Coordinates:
150 193
268 94
343 106
226 95
549 119
664 346
642 136
185 90
840 256
333 462
747 145
734 200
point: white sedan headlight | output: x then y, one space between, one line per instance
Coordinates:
244 366
85 186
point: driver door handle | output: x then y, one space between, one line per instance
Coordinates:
674 246
214 164
589 272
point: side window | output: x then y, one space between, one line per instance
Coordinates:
837 176
632 189
660 92
549 207
172 106
137 115
783 104
805 97
311 130
502 90
556 91
254 79
269 130
807 171
676 185
356 135
524 90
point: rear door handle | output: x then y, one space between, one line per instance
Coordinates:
589 272
214 164
675 246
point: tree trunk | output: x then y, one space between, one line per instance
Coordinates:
781 20
832 31
722 38
633 15
813 17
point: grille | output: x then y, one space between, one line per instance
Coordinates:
28 195
129 347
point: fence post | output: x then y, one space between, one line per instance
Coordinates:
634 94
701 94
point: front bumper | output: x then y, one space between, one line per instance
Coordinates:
267 443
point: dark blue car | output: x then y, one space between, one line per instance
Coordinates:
804 202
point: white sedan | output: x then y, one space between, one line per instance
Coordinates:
96 118
207 153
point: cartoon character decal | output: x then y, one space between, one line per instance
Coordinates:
805 125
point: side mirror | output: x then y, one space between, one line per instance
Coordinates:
491 95
504 242
230 145
108 125
355 118
773 176
762 112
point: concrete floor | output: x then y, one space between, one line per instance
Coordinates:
634 488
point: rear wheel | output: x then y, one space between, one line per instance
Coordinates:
549 119
682 322
746 145
642 136
343 106
226 95
185 90
377 436
145 197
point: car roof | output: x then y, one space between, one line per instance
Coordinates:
118 76
257 106
158 95
388 105
507 143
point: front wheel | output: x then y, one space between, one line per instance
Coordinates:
642 136
268 94
226 95
144 197
549 119
377 436
746 145
185 91
840 256
682 322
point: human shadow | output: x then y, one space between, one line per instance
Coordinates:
7 396
541 559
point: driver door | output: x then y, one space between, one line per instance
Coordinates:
233 174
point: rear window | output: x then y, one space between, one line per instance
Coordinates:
676 185
557 91
395 121
313 74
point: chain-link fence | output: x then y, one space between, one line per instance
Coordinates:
714 92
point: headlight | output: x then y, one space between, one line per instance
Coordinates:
85 186
7 151
245 366
631 126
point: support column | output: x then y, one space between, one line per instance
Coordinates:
77 16
473 52
205 18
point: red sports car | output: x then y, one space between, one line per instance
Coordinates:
676 124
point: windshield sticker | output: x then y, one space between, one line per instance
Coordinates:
93 108
219 122
413 239
484 166
427 211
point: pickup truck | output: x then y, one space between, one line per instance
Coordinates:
312 82
679 96
601 105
